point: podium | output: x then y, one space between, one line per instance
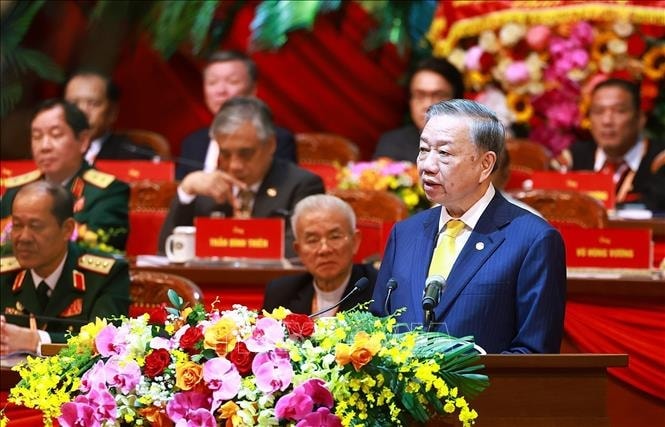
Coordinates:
562 390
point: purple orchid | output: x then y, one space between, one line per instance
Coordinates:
198 418
124 375
294 406
111 341
222 377
76 414
265 335
185 403
321 418
273 370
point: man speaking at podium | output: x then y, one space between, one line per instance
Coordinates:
49 277
476 265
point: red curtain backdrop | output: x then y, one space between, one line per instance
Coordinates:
321 80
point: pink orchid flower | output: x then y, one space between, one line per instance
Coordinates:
321 418
124 375
77 415
266 334
294 406
223 378
185 403
273 370
111 341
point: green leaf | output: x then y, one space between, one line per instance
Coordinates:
175 299
17 23
11 95
201 24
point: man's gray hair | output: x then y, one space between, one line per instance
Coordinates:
242 109
487 132
322 202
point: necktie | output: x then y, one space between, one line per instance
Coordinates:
617 170
42 294
245 209
444 253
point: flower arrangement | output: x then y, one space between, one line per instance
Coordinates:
536 67
399 177
84 237
188 367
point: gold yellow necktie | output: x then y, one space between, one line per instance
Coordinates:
444 253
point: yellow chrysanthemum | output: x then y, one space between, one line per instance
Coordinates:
654 62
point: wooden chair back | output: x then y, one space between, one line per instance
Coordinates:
157 142
149 195
148 290
527 156
373 205
566 207
325 148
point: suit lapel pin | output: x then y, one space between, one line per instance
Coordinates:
271 192
480 246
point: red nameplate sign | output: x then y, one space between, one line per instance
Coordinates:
608 248
240 238
597 185
137 170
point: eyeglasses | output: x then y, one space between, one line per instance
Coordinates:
333 240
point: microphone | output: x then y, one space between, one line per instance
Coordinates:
150 155
360 286
391 286
434 287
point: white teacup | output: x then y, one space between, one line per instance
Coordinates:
180 246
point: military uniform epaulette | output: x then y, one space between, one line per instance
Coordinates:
20 180
95 263
98 178
8 264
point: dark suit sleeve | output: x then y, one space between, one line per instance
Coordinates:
286 145
541 296
193 150
111 211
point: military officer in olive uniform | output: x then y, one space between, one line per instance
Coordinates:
50 277
59 139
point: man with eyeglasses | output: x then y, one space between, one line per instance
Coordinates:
249 181
326 239
433 80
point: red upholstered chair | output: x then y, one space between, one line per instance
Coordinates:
325 148
376 212
566 208
148 290
525 157
148 205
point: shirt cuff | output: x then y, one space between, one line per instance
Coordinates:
183 197
44 338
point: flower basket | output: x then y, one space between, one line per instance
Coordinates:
535 64
188 367
398 177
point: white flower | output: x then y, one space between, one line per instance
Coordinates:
456 57
488 41
511 33
623 28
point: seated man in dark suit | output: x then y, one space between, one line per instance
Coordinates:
97 96
227 74
249 180
619 146
326 239
433 80
490 269
51 276
59 137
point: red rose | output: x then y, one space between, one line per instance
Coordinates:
190 339
241 358
299 325
486 62
636 45
156 362
157 315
